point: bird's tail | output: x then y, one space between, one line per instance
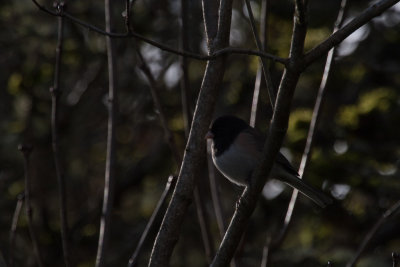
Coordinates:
312 193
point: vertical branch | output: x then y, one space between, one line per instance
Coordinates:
55 93
214 192
203 220
311 132
187 119
277 129
26 150
110 157
160 110
396 259
168 233
371 233
210 17
185 85
258 83
133 261
261 48
13 229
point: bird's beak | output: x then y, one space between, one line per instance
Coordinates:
209 135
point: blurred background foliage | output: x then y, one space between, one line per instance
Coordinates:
355 156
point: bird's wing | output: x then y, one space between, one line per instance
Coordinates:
251 141
280 159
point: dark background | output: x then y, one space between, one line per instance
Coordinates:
355 157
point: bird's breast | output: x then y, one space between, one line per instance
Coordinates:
235 164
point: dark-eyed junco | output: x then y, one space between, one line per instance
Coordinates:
237 151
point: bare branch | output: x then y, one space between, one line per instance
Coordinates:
206 236
337 37
311 132
214 193
55 93
260 47
185 84
217 53
299 31
210 16
396 259
133 261
259 77
160 110
13 229
384 218
105 220
277 130
26 151
195 149
203 221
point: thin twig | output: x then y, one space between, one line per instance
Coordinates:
133 261
261 48
368 14
185 84
217 53
371 233
259 77
26 150
105 221
55 93
13 229
396 259
311 132
159 108
203 220
127 16
214 193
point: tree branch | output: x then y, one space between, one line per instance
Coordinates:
384 218
277 130
195 150
185 83
13 229
133 261
55 96
395 259
217 53
203 222
26 151
337 37
259 77
260 47
105 220
311 132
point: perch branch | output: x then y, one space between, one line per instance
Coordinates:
384 218
105 221
55 96
13 229
277 130
311 132
195 150
26 151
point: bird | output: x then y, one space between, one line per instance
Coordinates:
237 149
